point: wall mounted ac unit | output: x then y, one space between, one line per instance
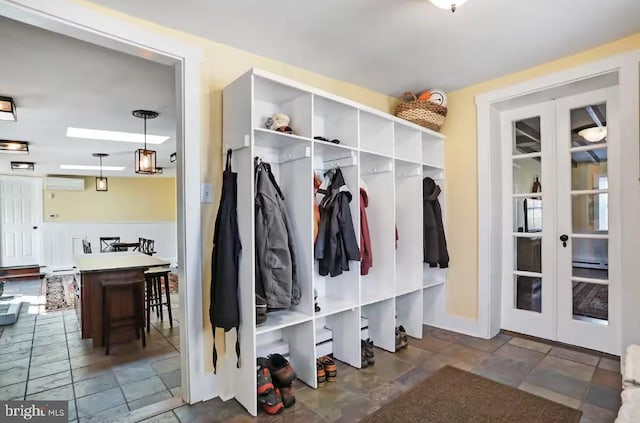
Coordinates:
64 184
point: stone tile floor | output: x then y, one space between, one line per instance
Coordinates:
589 382
42 356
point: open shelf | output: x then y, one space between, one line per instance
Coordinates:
381 323
282 319
433 284
409 312
333 120
333 305
376 134
278 140
433 276
408 143
432 151
298 342
272 97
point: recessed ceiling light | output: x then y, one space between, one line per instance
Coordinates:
8 109
29 166
90 167
100 134
15 147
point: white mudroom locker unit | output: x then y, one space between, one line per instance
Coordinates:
391 156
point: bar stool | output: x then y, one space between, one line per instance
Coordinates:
131 289
153 281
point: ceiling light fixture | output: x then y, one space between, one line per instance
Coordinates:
8 109
145 159
26 166
448 4
102 184
14 147
594 134
100 134
91 167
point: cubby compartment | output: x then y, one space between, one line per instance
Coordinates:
297 344
434 276
408 183
376 134
272 97
376 176
433 151
291 165
335 121
345 329
380 318
336 294
408 143
409 313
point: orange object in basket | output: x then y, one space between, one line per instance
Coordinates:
425 95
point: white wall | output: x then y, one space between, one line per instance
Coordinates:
57 239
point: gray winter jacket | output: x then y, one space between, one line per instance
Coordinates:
276 275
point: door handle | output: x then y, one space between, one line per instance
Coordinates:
564 238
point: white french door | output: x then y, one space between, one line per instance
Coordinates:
20 220
561 233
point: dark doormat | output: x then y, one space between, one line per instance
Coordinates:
454 396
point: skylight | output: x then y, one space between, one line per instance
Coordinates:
90 167
99 134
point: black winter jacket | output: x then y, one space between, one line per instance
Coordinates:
435 242
336 243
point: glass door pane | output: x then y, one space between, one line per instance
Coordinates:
589 213
527 214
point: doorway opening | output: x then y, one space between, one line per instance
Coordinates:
64 235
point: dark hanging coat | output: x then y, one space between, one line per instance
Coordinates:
336 243
224 309
276 272
435 242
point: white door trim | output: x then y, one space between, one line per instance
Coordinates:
89 24
489 248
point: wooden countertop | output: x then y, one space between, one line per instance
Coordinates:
116 260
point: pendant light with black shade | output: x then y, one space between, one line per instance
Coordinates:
102 184
145 159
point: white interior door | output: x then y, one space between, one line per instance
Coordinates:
20 220
528 291
589 219
561 233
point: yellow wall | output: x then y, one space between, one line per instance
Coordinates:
462 170
141 199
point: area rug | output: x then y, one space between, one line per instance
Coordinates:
59 291
454 396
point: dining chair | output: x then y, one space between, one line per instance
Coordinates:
106 244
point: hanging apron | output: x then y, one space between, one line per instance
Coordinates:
224 309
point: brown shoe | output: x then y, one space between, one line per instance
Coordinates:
330 368
321 375
288 396
281 370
